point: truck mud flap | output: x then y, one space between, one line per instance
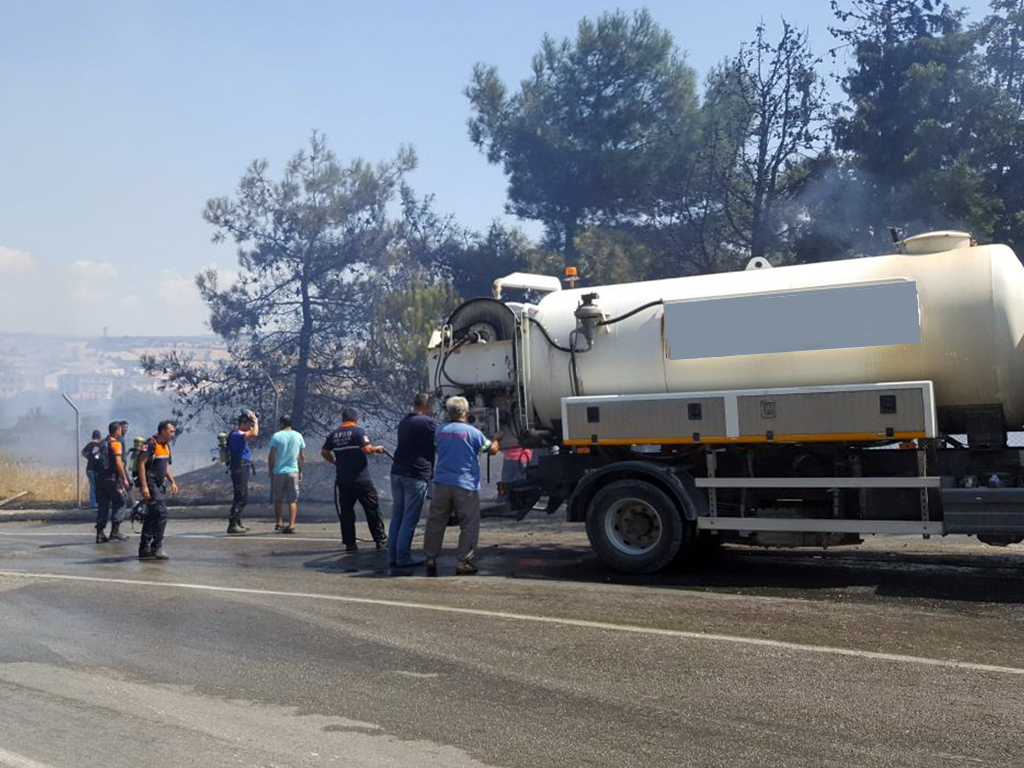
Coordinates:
983 510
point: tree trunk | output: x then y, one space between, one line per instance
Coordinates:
571 223
302 367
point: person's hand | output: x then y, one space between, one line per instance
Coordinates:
498 436
379 449
145 494
174 487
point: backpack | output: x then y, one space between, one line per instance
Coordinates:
91 454
105 457
133 459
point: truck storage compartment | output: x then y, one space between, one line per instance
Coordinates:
983 510
853 412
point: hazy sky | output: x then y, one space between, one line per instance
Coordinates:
119 119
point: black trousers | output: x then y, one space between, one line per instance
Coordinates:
109 502
345 497
240 490
156 520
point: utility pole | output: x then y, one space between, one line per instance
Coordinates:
78 440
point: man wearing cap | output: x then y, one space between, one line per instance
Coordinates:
240 466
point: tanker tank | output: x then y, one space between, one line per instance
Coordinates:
971 315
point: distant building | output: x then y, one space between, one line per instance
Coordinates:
87 386
12 383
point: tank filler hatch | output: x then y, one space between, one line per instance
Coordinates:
935 242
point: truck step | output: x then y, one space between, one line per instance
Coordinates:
817 482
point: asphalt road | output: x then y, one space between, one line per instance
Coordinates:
279 651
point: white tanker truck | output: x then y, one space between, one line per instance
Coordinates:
791 406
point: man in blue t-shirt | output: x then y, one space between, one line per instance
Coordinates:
240 467
457 486
285 464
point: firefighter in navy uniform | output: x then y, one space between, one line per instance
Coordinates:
347 448
111 485
154 476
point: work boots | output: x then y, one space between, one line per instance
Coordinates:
101 537
115 533
235 525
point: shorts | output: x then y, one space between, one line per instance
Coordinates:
285 488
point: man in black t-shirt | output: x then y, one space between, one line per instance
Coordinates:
410 473
347 448
91 454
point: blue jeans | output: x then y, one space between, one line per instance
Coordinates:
92 488
408 494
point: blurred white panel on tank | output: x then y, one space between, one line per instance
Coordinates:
838 317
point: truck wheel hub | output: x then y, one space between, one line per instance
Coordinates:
633 526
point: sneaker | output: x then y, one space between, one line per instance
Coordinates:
431 566
351 548
145 554
381 544
466 569
116 535
159 554
288 529
101 537
278 526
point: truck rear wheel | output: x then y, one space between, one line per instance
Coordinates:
635 527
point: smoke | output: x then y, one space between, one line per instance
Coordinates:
846 212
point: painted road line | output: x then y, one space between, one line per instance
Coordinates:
13 760
898 658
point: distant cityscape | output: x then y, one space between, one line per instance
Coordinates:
95 369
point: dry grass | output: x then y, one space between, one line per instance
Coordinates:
42 484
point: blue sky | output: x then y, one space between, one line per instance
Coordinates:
119 119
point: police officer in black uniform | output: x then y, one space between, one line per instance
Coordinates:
347 448
154 475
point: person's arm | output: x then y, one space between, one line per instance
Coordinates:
143 484
270 460
328 455
254 430
170 476
495 445
302 461
369 447
120 470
